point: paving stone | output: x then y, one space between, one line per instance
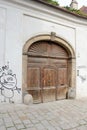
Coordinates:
33 128
35 121
14 117
53 123
31 117
82 128
0 115
45 123
65 126
74 124
50 128
58 128
9 124
39 126
5 116
7 119
17 121
2 128
40 118
20 126
26 122
82 122
11 128
1 122
74 128
29 125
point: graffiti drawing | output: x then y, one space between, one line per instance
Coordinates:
81 72
83 78
8 83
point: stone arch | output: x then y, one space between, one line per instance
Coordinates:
71 61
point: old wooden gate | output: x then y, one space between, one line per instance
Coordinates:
47 71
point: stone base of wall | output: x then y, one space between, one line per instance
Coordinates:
71 93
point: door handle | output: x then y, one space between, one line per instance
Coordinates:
62 84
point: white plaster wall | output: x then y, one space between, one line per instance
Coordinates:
20 24
14 46
2 35
2 40
34 26
12 51
81 62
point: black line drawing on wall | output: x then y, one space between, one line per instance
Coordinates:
8 83
81 72
83 78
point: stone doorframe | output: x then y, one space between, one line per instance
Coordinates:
71 61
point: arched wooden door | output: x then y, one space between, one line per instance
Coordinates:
47 71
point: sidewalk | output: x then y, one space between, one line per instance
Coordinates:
58 115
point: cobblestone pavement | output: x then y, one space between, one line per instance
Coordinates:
58 115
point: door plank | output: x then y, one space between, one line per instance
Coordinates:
62 83
34 83
48 84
